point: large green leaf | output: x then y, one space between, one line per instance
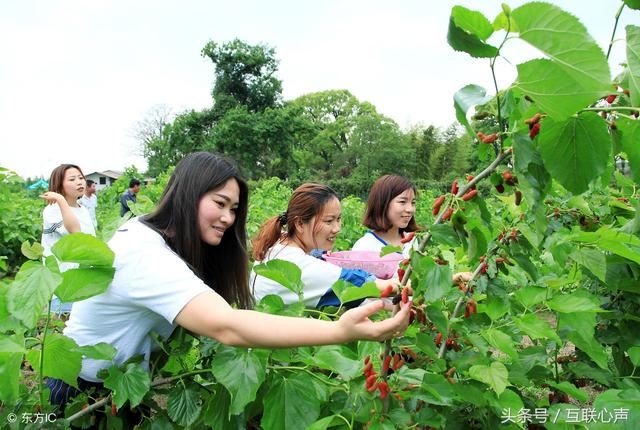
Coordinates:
184 405
99 351
32 251
629 135
634 355
575 151
438 391
216 412
633 4
500 340
496 376
132 384
535 327
579 301
31 291
290 403
10 369
633 62
242 372
339 359
576 73
592 259
621 243
468 31
82 283
463 100
347 292
61 358
571 390
283 272
83 249
434 278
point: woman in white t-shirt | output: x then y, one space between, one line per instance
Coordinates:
311 223
389 215
63 215
186 264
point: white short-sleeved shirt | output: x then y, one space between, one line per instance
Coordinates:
91 203
372 242
317 276
53 228
151 285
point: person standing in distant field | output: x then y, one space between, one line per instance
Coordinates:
90 201
129 196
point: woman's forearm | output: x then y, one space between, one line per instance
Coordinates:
255 329
69 219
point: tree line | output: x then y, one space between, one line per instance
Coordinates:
327 136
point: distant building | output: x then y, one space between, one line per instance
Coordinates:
104 179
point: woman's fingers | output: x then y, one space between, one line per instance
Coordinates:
462 276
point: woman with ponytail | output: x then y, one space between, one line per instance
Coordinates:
309 226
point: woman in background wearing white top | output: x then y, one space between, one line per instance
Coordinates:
312 222
186 264
389 215
63 215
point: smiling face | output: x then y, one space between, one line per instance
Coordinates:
217 211
321 230
73 184
402 208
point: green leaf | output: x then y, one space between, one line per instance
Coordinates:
494 307
509 401
132 384
31 291
289 403
82 283
283 272
83 249
468 31
184 405
438 391
242 372
535 327
634 355
496 376
32 251
571 390
10 369
347 292
502 341
339 359
633 4
99 351
576 73
591 347
325 423
629 134
633 63
61 359
11 343
592 259
444 234
389 249
216 411
575 151
463 100
436 279
531 295
271 304
579 301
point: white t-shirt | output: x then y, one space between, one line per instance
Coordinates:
150 287
91 203
372 242
53 228
317 276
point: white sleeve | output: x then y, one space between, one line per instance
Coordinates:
157 279
52 220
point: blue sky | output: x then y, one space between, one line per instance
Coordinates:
76 76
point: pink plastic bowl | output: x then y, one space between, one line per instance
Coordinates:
370 261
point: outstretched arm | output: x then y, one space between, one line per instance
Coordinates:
210 315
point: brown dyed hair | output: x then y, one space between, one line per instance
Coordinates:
57 177
224 267
383 190
306 202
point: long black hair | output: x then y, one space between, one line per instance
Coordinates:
224 267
